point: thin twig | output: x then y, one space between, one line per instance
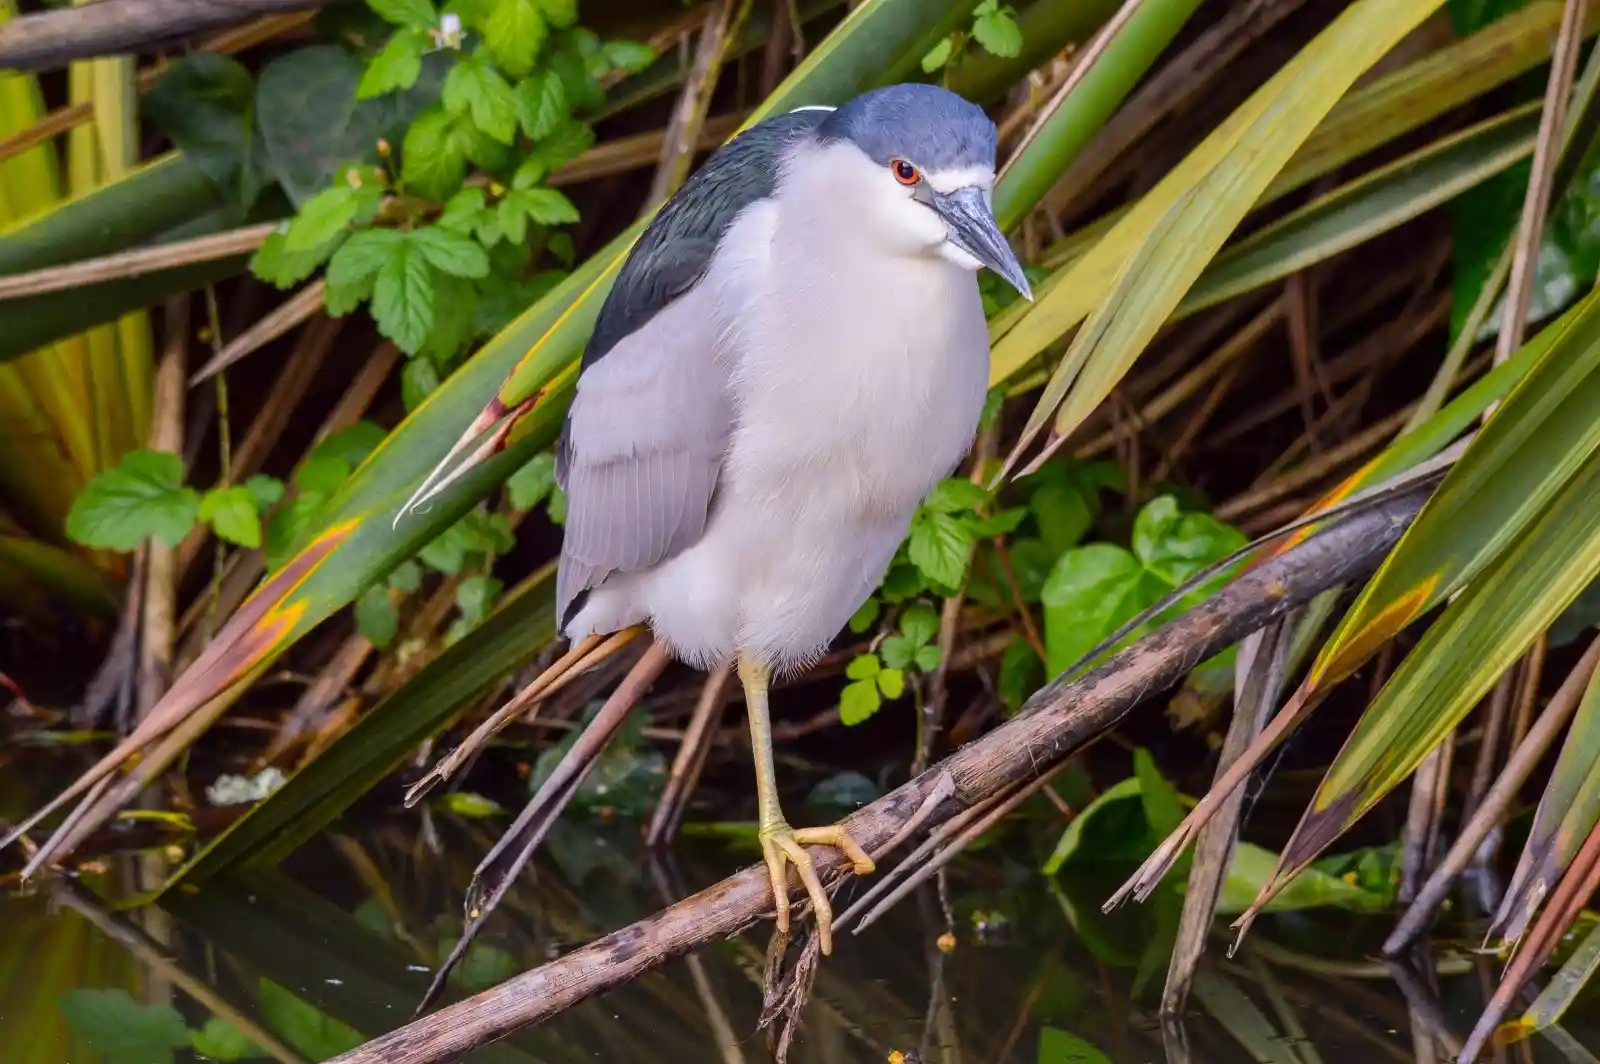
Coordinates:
1536 202
296 310
126 264
690 759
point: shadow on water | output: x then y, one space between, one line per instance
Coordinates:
302 964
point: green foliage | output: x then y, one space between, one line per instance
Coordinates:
1092 590
994 27
207 104
221 1041
123 1031
626 779
142 497
1061 1047
314 1034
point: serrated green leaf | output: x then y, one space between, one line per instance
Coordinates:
927 658
462 211
324 216
396 67
1175 545
141 497
566 142
362 255
999 33
402 298
433 156
282 268
233 515
407 577
955 494
859 701
892 682
475 88
541 100
938 547
417 14
514 33
450 252
919 624
376 617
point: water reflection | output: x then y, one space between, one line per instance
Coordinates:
302 964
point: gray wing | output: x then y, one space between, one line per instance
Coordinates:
642 446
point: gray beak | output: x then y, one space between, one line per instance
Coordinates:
974 230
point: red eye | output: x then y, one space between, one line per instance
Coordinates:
904 172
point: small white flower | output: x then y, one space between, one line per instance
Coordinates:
448 35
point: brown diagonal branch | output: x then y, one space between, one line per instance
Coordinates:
54 38
1058 720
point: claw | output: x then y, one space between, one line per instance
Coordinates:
781 843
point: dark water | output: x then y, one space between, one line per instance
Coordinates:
339 944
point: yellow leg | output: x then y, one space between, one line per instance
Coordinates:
780 842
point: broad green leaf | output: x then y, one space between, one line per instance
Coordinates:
376 617
1462 654
858 701
233 515
142 497
514 34
919 624
123 1031
1089 594
396 67
632 57
1312 888
1174 545
1061 1047
402 298
995 28
206 103
314 1033
222 1041
1567 813
863 667
892 682
1135 276
955 494
561 13
1548 426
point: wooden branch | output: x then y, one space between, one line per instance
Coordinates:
54 38
1057 720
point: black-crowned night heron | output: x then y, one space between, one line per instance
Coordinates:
793 356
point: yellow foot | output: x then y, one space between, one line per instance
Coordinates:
781 842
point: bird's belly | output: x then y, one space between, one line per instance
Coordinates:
822 477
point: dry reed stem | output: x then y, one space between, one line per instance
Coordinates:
125 264
292 312
51 38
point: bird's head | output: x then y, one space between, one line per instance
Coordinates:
919 162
